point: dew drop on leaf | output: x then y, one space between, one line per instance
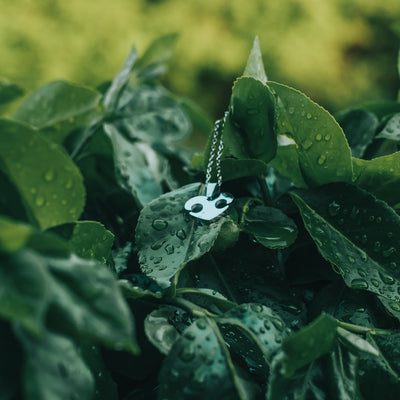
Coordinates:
181 234
256 308
49 175
321 159
392 265
157 260
375 282
334 209
40 201
69 184
318 137
377 246
387 279
309 116
186 354
361 272
387 253
359 284
364 238
394 306
169 248
201 324
159 224
307 144
157 244
327 138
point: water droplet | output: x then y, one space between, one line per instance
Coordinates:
157 260
169 248
201 324
354 212
389 235
49 175
181 234
159 224
291 110
309 116
278 324
189 335
364 239
359 284
307 144
394 306
361 272
375 282
371 218
392 265
64 202
387 253
321 159
318 137
387 279
352 259
40 200
334 208
157 244
69 184
256 308
378 220
33 190
377 246
186 354
327 138
173 375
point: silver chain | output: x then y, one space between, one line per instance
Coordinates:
217 143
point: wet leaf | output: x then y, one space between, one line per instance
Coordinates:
48 181
322 148
255 66
199 366
391 130
270 227
355 343
168 238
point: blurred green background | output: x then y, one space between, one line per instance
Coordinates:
339 52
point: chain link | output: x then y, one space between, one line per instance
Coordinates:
217 147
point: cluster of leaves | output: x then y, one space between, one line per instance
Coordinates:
293 293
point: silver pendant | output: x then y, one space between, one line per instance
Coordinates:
209 206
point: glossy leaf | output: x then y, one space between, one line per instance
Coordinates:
380 176
391 130
87 302
24 290
9 91
199 366
309 344
270 227
159 330
360 127
355 343
54 369
168 238
120 81
255 66
132 168
233 168
87 239
357 233
250 130
323 151
58 108
50 184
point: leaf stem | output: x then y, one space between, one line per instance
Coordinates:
364 329
194 309
265 191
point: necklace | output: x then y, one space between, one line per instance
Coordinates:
213 203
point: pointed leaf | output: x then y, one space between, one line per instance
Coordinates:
308 344
255 66
49 182
58 108
323 151
167 238
357 233
9 91
270 227
199 366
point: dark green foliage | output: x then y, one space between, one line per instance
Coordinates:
109 289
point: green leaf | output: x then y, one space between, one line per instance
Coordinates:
134 173
88 303
308 344
323 151
233 168
58 108
249 131
342 367
153 62
199 366
359 127
49 182
168 239
255 66
120 81
355 343
391 130
9 91
87 239
54 369
356 232
380 176
159 330
254 332
24 289
270 227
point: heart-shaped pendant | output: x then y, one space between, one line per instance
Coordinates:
209 206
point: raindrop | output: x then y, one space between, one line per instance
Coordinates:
159 224
189 335
378 220
371 218
364 238
361 272
354 212
267 325
278 324
186 354
49 175
387 253
169 248
40 201
352 259
201 324
375 282
394 306
318 137
64 202
377 246
157 260
181 234
307 144
359 284
256 308
157 244
69 184
389 235
333 208
309 116
291 110
327 138
387 279
392 265
321 159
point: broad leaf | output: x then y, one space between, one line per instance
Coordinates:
308 344
357 233
199 366
255 66
50 184
159 330
9 91
323 151
270 227
168 238
359 127
355 343
54 369
391 130
58 108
